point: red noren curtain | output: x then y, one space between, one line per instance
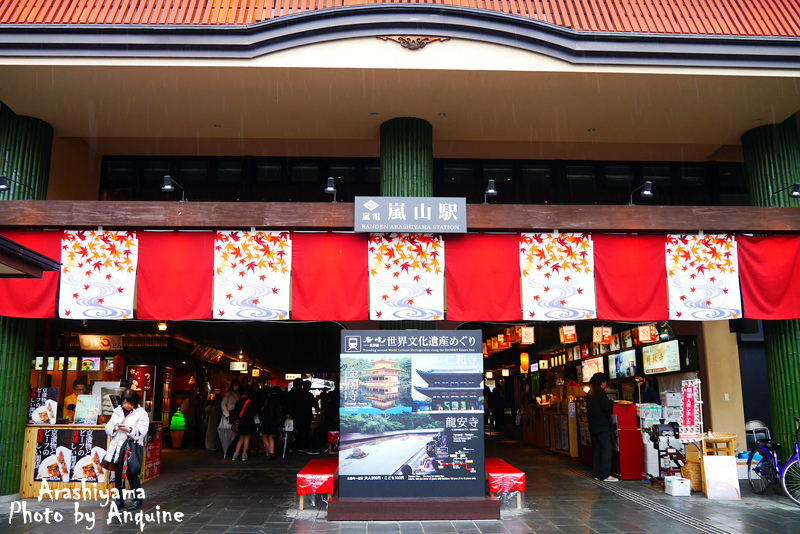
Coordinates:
630 277
175 276
482 277
32 298
769 269
329 277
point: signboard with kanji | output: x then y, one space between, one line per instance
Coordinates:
441 215
411 411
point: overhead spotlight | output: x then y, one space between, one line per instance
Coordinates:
5 186
331 188
795 190
490 191
169 186
162 325
647 191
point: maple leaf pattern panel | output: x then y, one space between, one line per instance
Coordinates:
703 277
557 277
252 275
406 277
98 274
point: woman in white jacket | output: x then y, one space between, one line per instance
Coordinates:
128 421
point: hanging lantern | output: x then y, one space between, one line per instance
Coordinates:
488 375
505 372
524 362
526 335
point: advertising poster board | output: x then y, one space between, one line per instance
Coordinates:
143 380
87 409
691 424
88 448
661 358
52 459
411 414
722 480
590 367
622 364
43 406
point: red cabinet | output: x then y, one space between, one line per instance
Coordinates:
627 460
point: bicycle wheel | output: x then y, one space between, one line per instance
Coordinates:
791 480
760 470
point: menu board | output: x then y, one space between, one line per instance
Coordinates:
590 367
53 456
90 364
43 406
69 455
87 409
661 358
622 364
411 414
88 451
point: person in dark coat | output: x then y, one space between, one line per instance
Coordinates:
245 413
643 392
599 409
213 417
301 405
272 417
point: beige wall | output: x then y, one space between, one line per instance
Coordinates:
721 377
74 170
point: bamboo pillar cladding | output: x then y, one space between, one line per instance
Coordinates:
406 158
16 349
772 162
25 147
407 171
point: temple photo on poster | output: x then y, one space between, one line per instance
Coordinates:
390 445
447 383
375 385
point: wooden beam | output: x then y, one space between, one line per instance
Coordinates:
339 216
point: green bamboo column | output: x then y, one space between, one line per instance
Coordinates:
16 350
772 162
406 158
25 146
407 171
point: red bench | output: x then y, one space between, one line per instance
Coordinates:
503 478
318 476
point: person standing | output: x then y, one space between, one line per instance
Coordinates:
213 417
245 413
271 419
599 409
128 421
643 392
78 388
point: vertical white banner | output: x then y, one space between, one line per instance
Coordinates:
406 277
252 275
98 274
557 277
703 277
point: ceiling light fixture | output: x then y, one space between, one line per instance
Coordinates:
162 325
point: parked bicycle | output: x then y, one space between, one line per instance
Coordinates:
764 468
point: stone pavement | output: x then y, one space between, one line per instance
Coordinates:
258 496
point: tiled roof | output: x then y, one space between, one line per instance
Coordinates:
778 18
